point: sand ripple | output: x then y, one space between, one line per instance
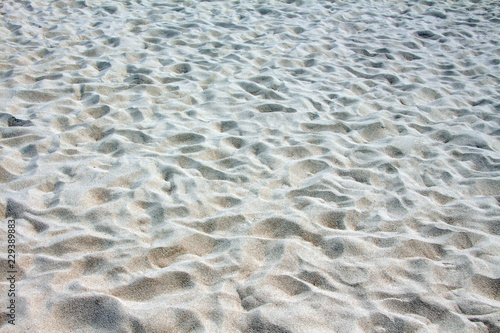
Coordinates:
272 166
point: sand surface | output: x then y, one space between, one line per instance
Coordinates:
243 166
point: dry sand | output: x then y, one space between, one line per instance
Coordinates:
270 166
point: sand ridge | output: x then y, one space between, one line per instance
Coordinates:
271 166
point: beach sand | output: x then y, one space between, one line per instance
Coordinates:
251 166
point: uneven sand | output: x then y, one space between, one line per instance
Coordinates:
271 166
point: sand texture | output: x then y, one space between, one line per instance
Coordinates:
251 166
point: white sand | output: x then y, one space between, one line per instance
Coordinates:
243 166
